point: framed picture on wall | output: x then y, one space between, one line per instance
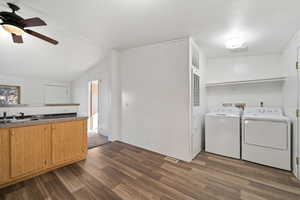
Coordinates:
10 95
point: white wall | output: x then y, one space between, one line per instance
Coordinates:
33 90
107 70
147 99
79 91
289 58
242 68
115 97
252 94
155 98
57 94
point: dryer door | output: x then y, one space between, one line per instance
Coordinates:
267 134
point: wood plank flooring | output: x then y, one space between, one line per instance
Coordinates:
118 171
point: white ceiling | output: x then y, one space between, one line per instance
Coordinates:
86 29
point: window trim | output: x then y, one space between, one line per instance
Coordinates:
18 92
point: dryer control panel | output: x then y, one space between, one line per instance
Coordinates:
263 111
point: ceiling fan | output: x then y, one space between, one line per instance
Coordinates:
16 25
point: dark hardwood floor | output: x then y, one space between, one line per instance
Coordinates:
120 171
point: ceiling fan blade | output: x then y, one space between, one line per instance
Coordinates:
17 38
33 22
43 37
2 19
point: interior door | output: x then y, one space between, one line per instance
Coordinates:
4 155
28 149
68 141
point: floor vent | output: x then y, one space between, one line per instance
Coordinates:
172 160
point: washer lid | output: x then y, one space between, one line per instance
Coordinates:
223 115
225 112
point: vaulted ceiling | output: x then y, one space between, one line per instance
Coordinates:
86 29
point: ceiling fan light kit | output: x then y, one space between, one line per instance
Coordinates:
16 25
13 29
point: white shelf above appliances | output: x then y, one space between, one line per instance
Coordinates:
265 80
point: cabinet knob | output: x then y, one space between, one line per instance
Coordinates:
12 133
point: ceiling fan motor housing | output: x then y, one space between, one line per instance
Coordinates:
16 25
11 18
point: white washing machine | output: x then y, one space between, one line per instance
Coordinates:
222 132
266 137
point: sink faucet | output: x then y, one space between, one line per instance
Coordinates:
22 115
4 116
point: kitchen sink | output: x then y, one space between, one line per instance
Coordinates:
10 121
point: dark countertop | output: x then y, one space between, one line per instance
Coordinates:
41 105
41 121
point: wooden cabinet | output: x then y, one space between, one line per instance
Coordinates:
29 150
4 155
68 141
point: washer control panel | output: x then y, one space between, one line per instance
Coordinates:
226 110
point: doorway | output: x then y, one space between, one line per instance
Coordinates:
95 138
93 106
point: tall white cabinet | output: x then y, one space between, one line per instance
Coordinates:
163 97
197 62
291 92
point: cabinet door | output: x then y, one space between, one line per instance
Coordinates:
68 141
28 149
4 155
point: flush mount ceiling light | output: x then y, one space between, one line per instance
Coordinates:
16 25
235 43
